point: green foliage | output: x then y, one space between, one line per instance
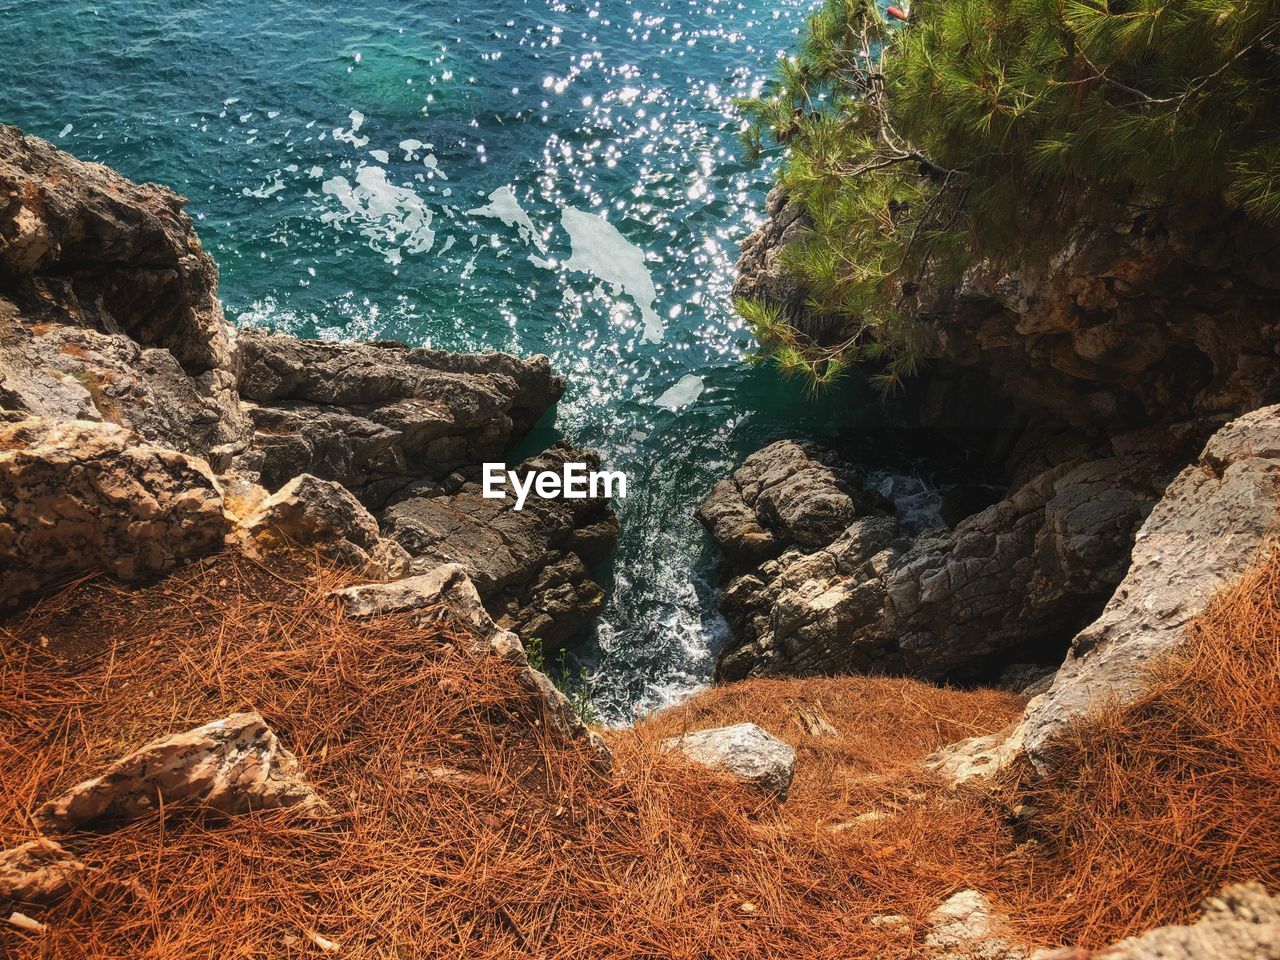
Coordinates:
579 693
985 128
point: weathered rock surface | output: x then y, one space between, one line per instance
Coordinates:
744 750
530 566
375 416
311 512
1168 315
964 927
77 496
447 590
1240 923
1018 577
108 306
109 313
39 872
232 765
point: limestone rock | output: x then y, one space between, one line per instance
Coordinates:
1205 532
744 750
964 927
308 511
79 496
1240 923
38 872
376 416
447 591
108 306
530 566
232 765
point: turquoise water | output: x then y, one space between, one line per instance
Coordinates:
437 173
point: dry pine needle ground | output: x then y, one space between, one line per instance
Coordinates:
462 829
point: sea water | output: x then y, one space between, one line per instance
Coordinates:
533 176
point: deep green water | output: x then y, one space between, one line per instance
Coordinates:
342 160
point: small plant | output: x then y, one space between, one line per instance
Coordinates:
579 694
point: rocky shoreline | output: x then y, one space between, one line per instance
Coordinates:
134 411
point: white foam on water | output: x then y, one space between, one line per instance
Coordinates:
504 206
394 218
686 390
432 164
265 190
352 136
411 148
65 130
380 155
598 248
919 505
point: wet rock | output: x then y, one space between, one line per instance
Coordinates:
376 416
744 750
447 591
530 566
77 497
232 765
311 512
108 306
39 872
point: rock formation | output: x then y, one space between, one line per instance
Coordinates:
448 591
749 753
37 872
232 765
110 328
78 496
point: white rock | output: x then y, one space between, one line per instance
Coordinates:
745 750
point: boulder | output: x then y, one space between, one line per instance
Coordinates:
39 872
744 750
108 305
311 512
965 927
1016 579
377 416
447 591
1240 923
77 497
530 566
232 765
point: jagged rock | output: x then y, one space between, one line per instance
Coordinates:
447 590
308 511
1020 576
744 750
232 765
375 416
38 872
1205 532
761 275
108 307
1240 923
531 565
964 927
78 496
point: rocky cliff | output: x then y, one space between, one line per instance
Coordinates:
138 429
1089 377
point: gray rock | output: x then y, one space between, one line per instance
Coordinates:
531 565
964 927
744 750
376 416
311 512
447 591
108 306
232 765
1240 923
1206 531
76 497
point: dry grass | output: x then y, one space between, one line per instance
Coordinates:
529 852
